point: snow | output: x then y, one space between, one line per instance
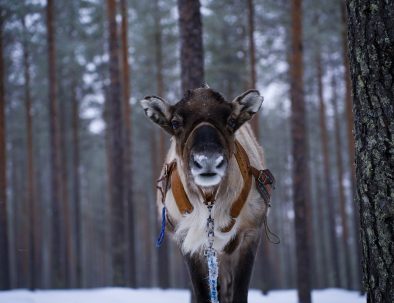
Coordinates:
126 295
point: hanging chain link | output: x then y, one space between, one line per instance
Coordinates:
210 231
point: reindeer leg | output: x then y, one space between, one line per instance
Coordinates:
243 270
198 273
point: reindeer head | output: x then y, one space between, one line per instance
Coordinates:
203 124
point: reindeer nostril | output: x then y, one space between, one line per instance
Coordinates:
196 164
220 164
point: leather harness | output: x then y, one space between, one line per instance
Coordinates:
265 183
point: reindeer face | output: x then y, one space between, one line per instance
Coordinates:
203 125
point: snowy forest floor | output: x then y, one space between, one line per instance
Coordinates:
125 295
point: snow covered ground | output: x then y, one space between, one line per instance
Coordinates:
125 295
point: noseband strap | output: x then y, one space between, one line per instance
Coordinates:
265 182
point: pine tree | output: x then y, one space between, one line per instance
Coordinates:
252 61
127 146
301 194
4 260
57 232
327 172
371 40
115 134
192 52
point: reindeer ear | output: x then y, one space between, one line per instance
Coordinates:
158 110
244 108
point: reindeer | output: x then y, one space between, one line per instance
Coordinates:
212 161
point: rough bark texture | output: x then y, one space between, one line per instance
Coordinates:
192 52
301 189
341 190
328 197
371 46
4 261
252 62
57 232
127 148
116 132
349 133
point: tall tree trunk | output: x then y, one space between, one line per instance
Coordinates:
4 258
32 208
348 93
76 185
57 232
342 200
131 263
252 65
163 251
301 198
192 52
69 277
116 135
350 137
328 197
371 40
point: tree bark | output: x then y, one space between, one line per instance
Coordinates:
350 137
116 135
131 263
327 174
341 190
192 52
252 63
371 40
301 190
4 254
57 232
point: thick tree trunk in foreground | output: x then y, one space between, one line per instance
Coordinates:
300 157
350 137
115 129
252 62
192 52
4 261
57 232
371 45
328 197
127 148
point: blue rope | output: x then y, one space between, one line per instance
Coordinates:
160 239
213 275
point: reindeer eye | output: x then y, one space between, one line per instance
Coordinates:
231 123
175 124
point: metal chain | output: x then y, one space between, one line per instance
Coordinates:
211 255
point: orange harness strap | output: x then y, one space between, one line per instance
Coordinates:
180 196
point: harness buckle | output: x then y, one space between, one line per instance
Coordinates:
268 178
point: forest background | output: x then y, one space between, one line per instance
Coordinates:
65 225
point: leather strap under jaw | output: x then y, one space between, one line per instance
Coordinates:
180 196
264 183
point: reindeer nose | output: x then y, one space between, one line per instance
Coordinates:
207 164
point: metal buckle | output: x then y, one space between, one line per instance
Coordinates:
267 177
